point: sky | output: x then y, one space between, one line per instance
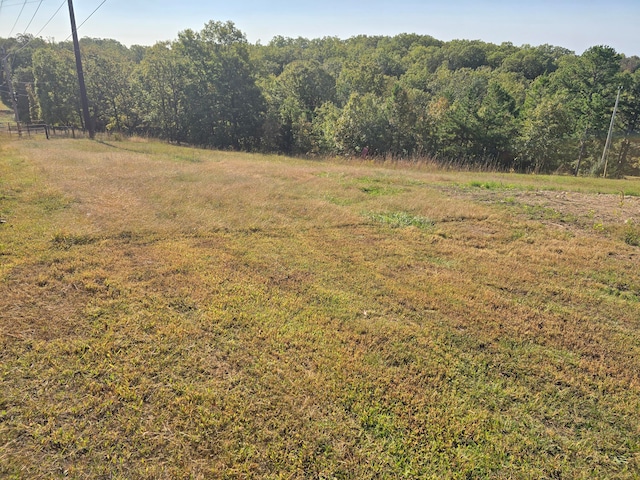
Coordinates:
576 25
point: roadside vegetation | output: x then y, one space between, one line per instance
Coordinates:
542 109
171 312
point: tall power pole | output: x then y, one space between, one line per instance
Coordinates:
607 144
88 124
12 93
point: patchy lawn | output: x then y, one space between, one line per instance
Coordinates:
179 313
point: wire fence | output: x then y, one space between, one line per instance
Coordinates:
34 129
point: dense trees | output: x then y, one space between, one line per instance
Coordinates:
590 82
19 52
161 80
55 86
529 108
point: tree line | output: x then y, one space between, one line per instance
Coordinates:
522 108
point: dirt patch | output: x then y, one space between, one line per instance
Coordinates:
606 207
571 207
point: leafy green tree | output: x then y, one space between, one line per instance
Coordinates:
308 83
56 86
465 54
361 77
590 82
225 106
273 58
533 108
544 140
19 53
109 88
630 64
105 45
421 63
496 54
497 117
629 122
459 127
161 79
402 122
292 100
137 53
363 123
530 62
296 128
324 128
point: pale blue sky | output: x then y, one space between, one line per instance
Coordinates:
573 24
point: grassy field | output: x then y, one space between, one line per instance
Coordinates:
169 312
6 114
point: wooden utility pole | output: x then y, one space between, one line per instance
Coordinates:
88 124
12 93
607 144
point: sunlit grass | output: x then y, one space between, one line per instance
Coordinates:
401 219
504 181
170 312
6 114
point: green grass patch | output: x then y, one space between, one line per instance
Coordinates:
401 219
67 240
376 190
632 234
523 182
490 185
375 186
341 201
51 202
540 212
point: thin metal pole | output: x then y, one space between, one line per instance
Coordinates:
88 124
607 144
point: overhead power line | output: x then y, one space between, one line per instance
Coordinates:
32 17
86 19
43 27
24 3
16 4
50 19
17 19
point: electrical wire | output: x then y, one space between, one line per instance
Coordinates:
48 21
86 19
32 17
40 31
24 4
4 5
16 4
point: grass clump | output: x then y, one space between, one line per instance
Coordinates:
378 186
401 219
491 185
631 233
67 240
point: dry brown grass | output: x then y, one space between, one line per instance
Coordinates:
177 313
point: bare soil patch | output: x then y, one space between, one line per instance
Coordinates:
603 208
